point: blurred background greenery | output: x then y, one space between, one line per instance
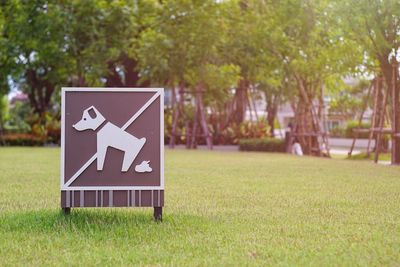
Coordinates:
229 67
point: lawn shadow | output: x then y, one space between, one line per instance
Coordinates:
91 220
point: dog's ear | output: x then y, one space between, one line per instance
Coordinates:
92 112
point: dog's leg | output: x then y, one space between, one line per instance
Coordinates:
131 154
129 157
101 155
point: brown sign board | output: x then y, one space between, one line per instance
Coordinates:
112 147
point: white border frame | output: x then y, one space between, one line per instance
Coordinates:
159 91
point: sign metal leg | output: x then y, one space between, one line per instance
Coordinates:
158 214
66 211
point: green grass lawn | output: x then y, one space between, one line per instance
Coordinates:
363 156
222 209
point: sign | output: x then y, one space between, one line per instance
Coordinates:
112 148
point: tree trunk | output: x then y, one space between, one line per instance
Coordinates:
390 72
228 115
249 108
1 129
272 110
307 128
202 117
187 126
175 118
195 126
130 72
130 76
113 77
321 106
395 89
40 92
383 95
81 81
177 107
254 106
240 101
381 112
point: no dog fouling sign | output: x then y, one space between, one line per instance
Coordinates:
112 148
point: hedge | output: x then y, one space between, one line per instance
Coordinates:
22 140
262 144
355 125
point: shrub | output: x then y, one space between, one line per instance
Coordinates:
22 140
337 132
257 130
17 120
262 144
354 125
52 130
246 130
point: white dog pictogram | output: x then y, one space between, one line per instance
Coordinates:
110 135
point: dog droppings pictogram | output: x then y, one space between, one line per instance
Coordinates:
110 135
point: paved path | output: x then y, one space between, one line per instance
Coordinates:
216 148
334 150
341 151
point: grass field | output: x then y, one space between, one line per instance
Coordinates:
363 156
222 209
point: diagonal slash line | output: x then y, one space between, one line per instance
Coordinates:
126 125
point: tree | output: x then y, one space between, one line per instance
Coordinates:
51 44
375 26
5 68
315 55
34 45
241 48
96 33
181 51
137 16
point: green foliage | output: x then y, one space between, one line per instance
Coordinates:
217 80
262 144
338 131
50 44
373 25
18 119
52 128
351 100
96 33
6 64
167 124
346 105
272 48
179 51
21 124
35 41
247 129
354 125
4 110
